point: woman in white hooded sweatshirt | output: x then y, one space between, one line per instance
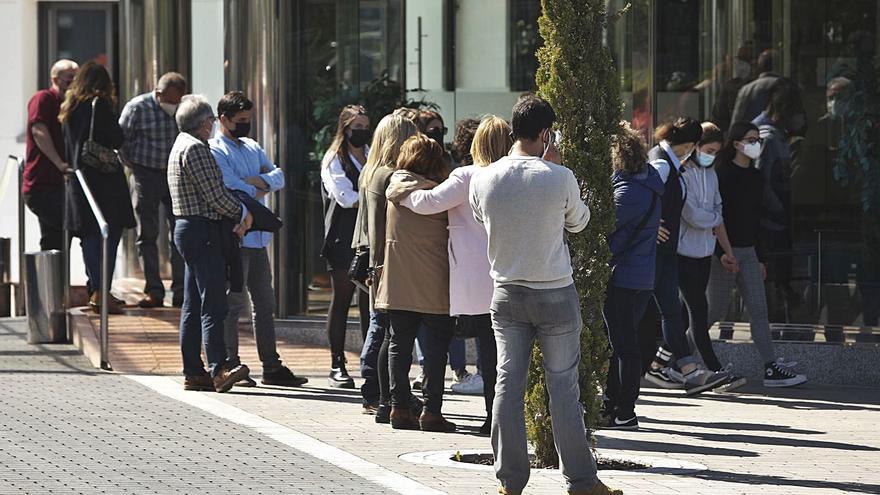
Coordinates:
702 226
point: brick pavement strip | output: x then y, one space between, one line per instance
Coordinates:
811 440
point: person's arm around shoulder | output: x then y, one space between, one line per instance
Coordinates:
474 200
577 214
449 194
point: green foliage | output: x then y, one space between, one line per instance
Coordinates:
380 97
578 77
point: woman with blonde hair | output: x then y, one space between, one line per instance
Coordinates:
340 174
369 235
87 114
470 286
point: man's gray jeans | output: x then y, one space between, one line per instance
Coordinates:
519 314
257 273
149 190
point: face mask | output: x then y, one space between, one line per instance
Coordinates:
753 151
436 136
169 108
241 129
705 159
359 137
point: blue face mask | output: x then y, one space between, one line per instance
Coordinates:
705 159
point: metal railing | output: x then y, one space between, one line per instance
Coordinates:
105 265
19 306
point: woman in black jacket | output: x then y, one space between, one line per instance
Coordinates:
93 89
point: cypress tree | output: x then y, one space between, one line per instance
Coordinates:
577 76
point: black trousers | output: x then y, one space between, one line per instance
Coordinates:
48 205
693 279
438 334
622 311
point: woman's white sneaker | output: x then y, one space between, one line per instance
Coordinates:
781 376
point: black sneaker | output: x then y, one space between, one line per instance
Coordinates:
383 414
781 376
663 378
283 377
339 375
615 422
701 379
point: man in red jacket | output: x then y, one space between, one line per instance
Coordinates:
43 183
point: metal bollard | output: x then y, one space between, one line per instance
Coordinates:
44 297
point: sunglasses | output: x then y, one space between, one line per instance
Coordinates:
752 140
444 130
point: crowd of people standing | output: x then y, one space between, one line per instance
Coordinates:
463 245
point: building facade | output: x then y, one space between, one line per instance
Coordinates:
300 60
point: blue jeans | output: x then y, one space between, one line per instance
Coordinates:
519 315
91 251
667 299
457 352
623 310
370 372
204 294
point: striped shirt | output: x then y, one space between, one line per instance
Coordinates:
149 132
196 183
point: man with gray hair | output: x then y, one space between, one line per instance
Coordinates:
149 127
203 208
45 165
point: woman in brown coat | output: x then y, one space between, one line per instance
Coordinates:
414 284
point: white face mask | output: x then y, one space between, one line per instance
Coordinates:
832 108
752 150
169 108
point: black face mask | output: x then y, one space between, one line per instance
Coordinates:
359 137
241 129
436 136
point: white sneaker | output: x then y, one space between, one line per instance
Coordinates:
470 385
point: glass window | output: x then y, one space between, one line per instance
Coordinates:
79 31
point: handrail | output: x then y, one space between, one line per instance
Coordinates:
21 233
105 262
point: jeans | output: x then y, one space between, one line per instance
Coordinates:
623 310
371 389
257 275
519 315
149 190
694 280
668 302
204 294
48 205
438 333
91 251
457 352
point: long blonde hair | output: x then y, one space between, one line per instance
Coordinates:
390 134
492 141
92 80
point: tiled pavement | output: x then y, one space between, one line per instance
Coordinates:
812 440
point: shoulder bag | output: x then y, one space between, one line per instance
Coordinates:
96 155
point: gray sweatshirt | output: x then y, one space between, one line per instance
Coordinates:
701 213
526 204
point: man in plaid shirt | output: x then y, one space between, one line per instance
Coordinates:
150 130
200 202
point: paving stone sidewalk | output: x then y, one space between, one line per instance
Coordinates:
65 428
810 440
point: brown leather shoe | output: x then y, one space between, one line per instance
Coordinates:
201 383
150 302
403 419
112 307
599 489
228 377
429 421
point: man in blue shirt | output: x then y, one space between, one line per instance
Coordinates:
246 167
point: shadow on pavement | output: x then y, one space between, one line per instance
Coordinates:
760 440
757 479
732 426
608 443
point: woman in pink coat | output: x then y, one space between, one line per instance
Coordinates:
470 286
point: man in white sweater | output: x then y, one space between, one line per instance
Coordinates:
526 202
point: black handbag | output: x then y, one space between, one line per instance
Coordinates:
96 155
468 326
265 220
359 271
